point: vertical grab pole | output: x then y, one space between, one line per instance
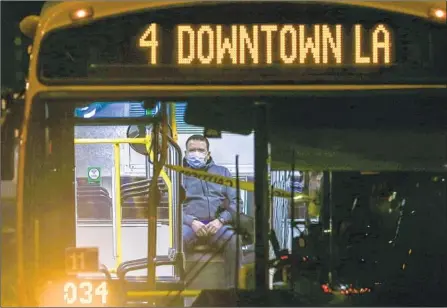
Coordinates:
292 218
115 248
178 217
238 225
173 122
331 236
170 210
262 156
152 211
117 218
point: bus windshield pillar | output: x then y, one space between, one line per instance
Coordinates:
262 157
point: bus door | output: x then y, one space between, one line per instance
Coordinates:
112 181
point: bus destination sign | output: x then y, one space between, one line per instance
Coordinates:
262 45
270 43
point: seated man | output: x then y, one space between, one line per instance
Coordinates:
206 215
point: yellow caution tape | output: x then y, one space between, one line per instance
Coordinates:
231 182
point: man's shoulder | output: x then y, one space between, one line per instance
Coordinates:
218 169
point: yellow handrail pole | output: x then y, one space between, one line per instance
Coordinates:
110 141
151 270
169 185
168 182
117 162
173 122
164 153
160 293
242 278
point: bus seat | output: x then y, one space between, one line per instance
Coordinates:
135 197
93 201
204 267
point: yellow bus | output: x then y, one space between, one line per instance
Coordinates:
332 87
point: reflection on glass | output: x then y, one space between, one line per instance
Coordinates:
315 186
131 109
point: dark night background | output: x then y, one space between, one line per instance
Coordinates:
14 43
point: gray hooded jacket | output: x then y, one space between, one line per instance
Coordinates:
206 200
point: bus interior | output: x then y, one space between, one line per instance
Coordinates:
376 171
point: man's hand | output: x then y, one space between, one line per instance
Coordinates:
213 226
199 228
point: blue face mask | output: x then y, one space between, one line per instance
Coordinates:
196 160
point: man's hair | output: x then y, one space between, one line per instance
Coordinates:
199 138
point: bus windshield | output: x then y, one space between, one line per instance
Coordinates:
379 205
